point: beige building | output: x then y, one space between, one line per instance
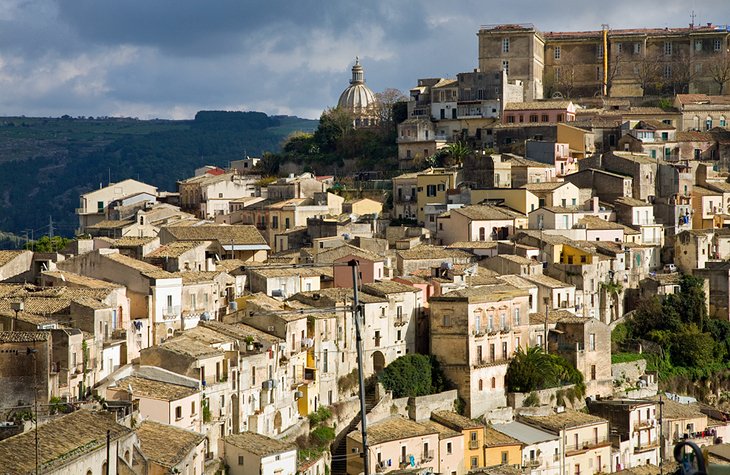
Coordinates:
169 449
74 443
479 223
586 447
243 242
94 205
620 62
393 444
474 333
703 111
254 454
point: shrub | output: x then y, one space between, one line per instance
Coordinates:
413 375
322 436
531 400
321 415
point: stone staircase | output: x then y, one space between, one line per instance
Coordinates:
339 445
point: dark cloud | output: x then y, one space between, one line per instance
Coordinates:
169 58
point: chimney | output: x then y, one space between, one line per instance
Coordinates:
595 204
209 265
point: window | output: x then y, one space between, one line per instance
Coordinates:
556 54
274 222
533 118
599 51
482 234
593 372
516 320
474 462
667 71
708 123
431 190
178 413
505 45
698 45
717 45
240 460
448 448
557 75
667 48
505 66
620 48
592 342
723 122
481 385
494 383
510 119
441 187
447 320
286 223
560 117
325 361
637 48
504 457
100 206
544 118
192 408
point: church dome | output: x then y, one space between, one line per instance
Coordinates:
357 98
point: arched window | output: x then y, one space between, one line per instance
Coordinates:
481 385
482 234
494 383
708 123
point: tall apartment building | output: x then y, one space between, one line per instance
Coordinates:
629 62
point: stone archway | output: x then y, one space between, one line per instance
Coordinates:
378 362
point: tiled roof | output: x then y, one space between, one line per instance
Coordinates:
694 136
174 249
521 260
258 444
334 296
166 445
519 161
494 438
676 410
537 105
547 281
569 418
81 280
472 245
425 251
156 389
7 256
702 99
23 337
331 255
386 287
111 224
270 272
455 421
141 266
636 157
240 234
394 428
492 293
61 441
443 431
544 186
487 213
131 241
554 316
631 201
184 345
594 222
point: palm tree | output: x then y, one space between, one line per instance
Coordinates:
528 370
456 152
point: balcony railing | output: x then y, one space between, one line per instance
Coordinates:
586 445
427 456
171 311
473 444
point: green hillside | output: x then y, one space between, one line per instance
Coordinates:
46 163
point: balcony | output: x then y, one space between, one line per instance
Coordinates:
532 463
400 321
427 456
473 444
171 311
645 424
646 447
582 446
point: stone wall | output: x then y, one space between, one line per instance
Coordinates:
630 372
547 397
420 408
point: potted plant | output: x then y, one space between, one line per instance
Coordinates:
249 343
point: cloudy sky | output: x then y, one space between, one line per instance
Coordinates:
171 58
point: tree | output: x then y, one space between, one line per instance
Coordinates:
455 153
48 244
385 107
564 76
534 370
413 375
682 74
334 124
720 72
692 348
648 72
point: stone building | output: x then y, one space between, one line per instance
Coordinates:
619 62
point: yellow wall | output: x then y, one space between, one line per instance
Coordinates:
573 136
446 179
367 206
493 455
518 199
477 450
576 254
303 402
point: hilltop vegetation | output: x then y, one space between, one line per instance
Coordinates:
46 163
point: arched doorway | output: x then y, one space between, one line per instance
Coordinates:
277 422
378 362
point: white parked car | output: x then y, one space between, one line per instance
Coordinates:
670 268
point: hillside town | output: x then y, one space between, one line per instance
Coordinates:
564 325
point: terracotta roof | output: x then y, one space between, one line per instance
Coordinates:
544 186
443 431
7 256
425 251
185 345
166 445
141 266
547 281
537 105
271 272
472 245
23 337
111 224
81 280
394 428
154 389
594 222
258 444
455 421
702 99
569 418
131 241
174 249
487 213
492 293
676 410
61 441
554 316
494 438
331 255
694 136
386 287
240 234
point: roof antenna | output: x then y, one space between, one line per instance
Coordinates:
692 17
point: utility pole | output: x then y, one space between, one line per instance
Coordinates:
33 353
358 332
50 227
661 436
108 450
547 313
